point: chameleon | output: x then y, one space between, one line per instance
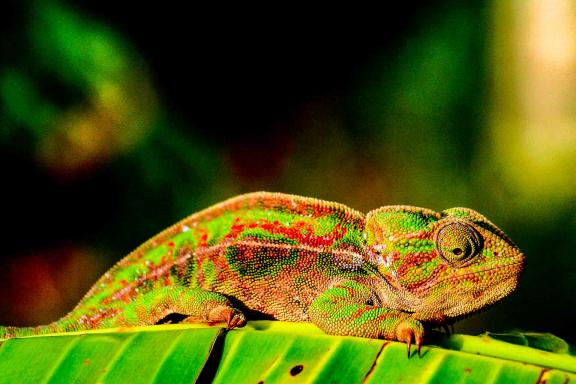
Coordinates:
264 255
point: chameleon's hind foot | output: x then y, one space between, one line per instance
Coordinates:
234 318
197 305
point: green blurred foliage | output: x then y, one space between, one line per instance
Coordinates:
411 124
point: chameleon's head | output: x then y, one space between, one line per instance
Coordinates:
442 265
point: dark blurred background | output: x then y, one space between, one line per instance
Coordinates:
116 120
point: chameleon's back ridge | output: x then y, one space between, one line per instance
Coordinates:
293 258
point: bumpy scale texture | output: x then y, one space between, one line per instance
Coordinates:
292 258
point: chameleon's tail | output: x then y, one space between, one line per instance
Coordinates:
10 332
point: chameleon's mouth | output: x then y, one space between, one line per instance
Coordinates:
463 295
513 264
516 264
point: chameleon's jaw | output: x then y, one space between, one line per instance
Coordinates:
453 299
484 295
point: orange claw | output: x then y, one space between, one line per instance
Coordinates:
236 319
408 329
418 341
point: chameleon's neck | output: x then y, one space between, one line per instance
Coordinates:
391 292
393 295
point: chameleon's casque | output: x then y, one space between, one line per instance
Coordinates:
285 257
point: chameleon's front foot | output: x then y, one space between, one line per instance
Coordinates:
347 309
408 330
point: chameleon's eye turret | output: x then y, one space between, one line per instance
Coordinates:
458 243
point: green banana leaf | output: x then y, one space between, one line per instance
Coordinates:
279 352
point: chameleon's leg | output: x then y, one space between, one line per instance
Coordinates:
347 309
198 305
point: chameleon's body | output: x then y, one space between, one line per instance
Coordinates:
293 258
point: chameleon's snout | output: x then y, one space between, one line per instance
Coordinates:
517 267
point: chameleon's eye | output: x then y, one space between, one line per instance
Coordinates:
458 243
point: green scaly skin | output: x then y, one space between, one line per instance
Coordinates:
291 258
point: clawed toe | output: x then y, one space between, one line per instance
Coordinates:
236 319
409 330
409 345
